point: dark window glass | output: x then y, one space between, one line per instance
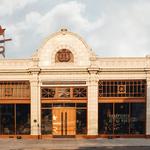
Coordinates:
22 119
7 119
137 118
58 105
105 118
46 121
121 118
81 105
46 105
81 121
69 104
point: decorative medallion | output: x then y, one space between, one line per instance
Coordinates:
121 89
64 55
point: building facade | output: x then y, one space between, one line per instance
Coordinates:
66 90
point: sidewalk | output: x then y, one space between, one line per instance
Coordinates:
86 144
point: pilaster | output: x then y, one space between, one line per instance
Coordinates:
93 102
148 106
35 103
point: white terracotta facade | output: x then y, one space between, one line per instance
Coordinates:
86 67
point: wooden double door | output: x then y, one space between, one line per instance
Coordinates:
64 121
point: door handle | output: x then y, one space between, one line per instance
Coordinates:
62 123
65 123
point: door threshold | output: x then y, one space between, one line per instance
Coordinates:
63 136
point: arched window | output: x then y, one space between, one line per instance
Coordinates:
64 55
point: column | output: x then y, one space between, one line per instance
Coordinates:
148 108
35 105
93 103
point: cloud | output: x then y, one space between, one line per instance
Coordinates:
8 7
65 14
121 29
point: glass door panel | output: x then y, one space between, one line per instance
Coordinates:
46 127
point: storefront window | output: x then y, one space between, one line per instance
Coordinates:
7 124
137 118
23 119
14 119
121 118
105 120
81 121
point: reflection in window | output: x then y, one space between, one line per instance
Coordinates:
23 119
7 124
46 121
121 118
14 119
137 118
63 92
105 120
81 121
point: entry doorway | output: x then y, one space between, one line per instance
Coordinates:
64 121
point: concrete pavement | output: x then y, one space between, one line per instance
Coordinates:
76 144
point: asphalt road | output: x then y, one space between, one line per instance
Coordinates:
97 148
116 148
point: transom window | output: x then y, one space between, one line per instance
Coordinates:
14 90
122 88
63 92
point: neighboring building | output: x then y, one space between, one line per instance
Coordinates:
66 90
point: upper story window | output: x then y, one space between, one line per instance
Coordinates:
64 55
122 88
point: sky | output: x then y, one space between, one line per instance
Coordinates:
110 27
